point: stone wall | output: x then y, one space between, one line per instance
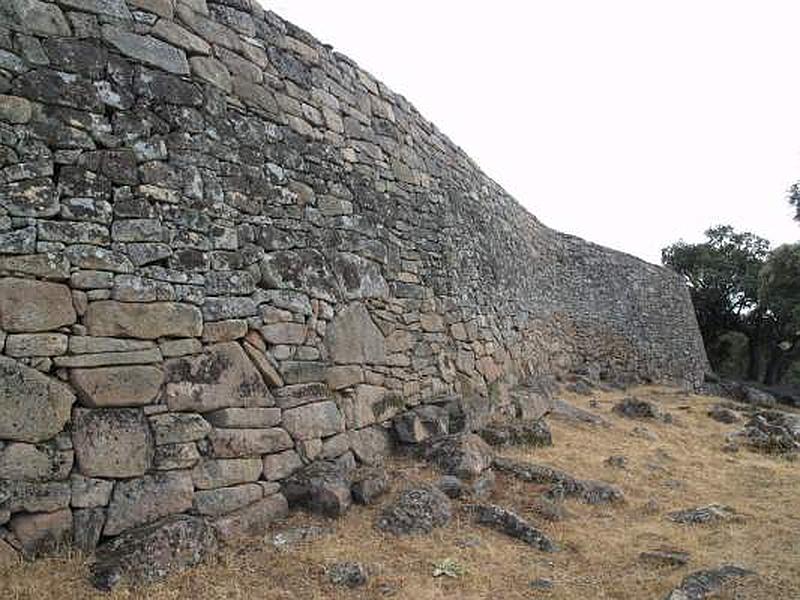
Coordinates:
226 251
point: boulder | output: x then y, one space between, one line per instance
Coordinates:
703 584
221 501
111 442
369 484
311 421
464 455
151 553
147 321
221 377
772 432
322 487
252 520
421 423
27 305
416 511
33 407
281 465
634 408
371 445
373 404
146 499
510 524
349 574
117 386
41 533
353 338
533 433
712 513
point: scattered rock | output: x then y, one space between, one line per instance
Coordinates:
369 484
253 520
42 533
351 574
287 538
421 423
617 461
534 433
416 511
634 408
511 524
541 584
665 556
701 584
464 455
570 412
772 432
154 552
723 415
322 487
713 513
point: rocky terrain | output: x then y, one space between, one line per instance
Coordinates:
595 500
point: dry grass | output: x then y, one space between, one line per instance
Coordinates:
683 466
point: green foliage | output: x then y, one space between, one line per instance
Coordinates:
779 295
449 568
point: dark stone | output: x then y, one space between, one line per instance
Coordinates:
55 87
534 433
321 486
665 556
464 455
369 484
701 584
511 524
154 552
772 432
76 56
416 511
713 513
634 408
350 574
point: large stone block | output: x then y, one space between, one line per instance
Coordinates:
112 442
147 49
27 305
214 473
311 421
33 16
242 443
34 496
353 338
371 445
245 418
42 532
281 465
222 501
117 386
373 404
252 520
29 462
146 499
177 428
145 321
222 377
33 407
21 345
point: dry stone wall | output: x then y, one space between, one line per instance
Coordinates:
226 251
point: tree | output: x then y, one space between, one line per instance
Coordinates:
779 297
794 199
723 278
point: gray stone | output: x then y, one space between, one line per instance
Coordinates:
369 484
462 455
243 443
154 552
510 524
222 309
341 377
89 492
36 344
97 258
29 306
222 377
712 513
244 418
20 241
265 365
213 71
33 407
176 35
416 511
704 584
353 338
176 428
33 496
228 331
47 265
222 501
252 520
14 109
42 533
28 462
117 386
33 16
176 348
373 404
349 574
137 357
291 396
316 420
322 487
107 8
146 499
217 473
88 526
147 49
421 423
370 445
170 457
281 465
284 333
112 442
145 321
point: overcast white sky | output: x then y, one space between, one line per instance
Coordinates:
631 123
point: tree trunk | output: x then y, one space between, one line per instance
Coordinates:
754 358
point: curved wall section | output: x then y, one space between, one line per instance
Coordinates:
226 251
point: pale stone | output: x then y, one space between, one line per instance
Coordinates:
147 49
146 499
353 338
244 418
335 445
87 525
163 8
264 364
374 404
107 359
225 331
222 501
30 462
178 36
316 420
29 306
112 443
42 532
117 386
33 407
284 333
33 16
100 345
175 348
146 321
215 473
253 520
291 396
35 496
47 265
175 428
371 445
222 377
89 492
108 8
169 457
281 465
243 443
36 344
342 377
14 109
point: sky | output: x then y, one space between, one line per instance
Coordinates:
630 123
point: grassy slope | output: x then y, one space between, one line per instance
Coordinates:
684 466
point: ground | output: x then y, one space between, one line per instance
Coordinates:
681 465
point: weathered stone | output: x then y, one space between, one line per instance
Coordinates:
145 321
107 8
213 71
19 241
227 331
87 528
350 574
634 408
665 556
302 371
36 344
14 109
146 499
291 396
33 407
106 359
28 462
369 484
47 265
416 511
511 524
97 258
28 306
117 386
322 487
353 338
211 474
222 377
712 513
147 49
177 428
169 457
316 420
178 36
265 365
703 584
41 533
421 423
242 443
183 347
335 445
371 445
163 8
531 433
281 465
252 520
244 418
153 552
112 442
462 455
33 496
373 404
33 16
222 501
284 333
222 309
341 377
88 492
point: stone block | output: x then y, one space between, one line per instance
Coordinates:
29 462
136 357
144 500
265 365
30 306
284 333
242 443
117 386
371 445
145 321
41 533
36 344
227 331
34 496
147 49
253 520
88 526
33 16
374 404
245 418
316 420
281 465
291 396
114 443
225 500
353 338
89 492
215 473
176 428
